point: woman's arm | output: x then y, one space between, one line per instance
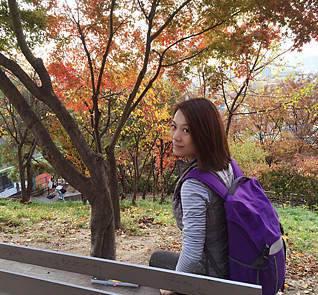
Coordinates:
194 199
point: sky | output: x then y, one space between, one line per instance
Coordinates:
310 49
305 61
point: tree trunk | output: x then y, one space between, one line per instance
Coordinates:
154 183
145 190
123 181
29 180
24 197
135 181
228 123
171 187
103 242
162 199
114 187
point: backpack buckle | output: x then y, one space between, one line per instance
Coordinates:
265 253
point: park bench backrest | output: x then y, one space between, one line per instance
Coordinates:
11 282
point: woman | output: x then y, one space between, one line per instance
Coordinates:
198 136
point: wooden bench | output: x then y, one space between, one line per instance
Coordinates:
30 271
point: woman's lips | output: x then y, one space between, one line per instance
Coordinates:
177 146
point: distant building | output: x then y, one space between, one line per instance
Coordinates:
267 72
42 180
5 181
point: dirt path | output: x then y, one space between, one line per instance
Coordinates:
302 269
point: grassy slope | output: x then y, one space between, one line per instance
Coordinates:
300 224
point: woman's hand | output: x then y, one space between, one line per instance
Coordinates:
165 292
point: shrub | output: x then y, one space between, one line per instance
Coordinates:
294 181
247 154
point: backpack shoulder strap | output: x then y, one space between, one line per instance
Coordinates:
213 182
236 170
210 180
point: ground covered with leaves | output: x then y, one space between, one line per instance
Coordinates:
144 231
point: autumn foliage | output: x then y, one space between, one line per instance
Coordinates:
114 69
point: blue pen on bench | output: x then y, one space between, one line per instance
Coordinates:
114 283
121 284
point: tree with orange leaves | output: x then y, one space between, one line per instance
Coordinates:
283 118
108 56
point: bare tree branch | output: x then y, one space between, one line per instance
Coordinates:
37 63
169 20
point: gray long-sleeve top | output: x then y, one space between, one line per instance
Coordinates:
195 200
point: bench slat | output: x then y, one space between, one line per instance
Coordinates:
139 274
18 284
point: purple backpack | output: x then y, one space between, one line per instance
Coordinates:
256 247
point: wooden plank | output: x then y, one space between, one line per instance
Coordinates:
69 277
18 284
139 274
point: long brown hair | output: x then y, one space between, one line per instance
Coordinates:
207 132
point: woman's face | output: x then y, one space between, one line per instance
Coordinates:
183 145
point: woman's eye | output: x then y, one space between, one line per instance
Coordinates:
173 127
186 130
